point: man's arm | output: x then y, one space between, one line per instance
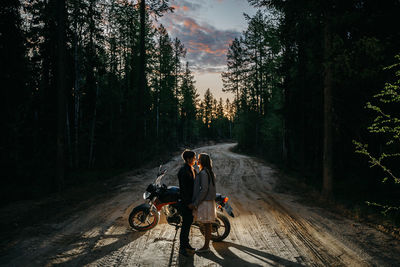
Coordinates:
183 187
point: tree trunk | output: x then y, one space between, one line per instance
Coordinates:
327 140
284 144
68 131
230 129
157 120
91 155
176 95
142 72
61 56
76 99
159 89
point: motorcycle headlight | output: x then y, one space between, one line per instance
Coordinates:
146 195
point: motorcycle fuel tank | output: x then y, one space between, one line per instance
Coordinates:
170 194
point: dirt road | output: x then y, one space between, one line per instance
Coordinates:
270 229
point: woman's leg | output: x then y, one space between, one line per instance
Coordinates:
207 235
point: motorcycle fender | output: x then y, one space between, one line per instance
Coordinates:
229 210
148 207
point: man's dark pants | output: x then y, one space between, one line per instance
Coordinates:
187 220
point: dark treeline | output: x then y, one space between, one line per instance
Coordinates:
93 84
302 74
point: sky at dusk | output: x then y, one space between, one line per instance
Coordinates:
206 27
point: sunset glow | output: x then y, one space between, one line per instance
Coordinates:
206 28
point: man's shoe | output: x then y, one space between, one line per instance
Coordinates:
202 250
190 248
183 252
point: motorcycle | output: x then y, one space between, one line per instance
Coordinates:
160 197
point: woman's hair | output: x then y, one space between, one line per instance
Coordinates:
206 162
188 154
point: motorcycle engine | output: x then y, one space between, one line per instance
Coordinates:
174 220
169 210
172 215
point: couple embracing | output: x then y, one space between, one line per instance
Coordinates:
197 194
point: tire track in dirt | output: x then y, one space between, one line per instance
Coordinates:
297 231
298 234
294 230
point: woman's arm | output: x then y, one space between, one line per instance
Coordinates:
203 188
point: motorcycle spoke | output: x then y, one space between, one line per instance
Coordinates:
219 226
137 220
139 223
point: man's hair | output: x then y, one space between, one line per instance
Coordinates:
188 154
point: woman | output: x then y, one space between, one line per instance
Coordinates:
204 198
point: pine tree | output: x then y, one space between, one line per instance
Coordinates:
232 78
208 111
165 93
61 92
15 151
157 8
188 110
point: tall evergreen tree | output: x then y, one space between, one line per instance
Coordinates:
331 51
208 110
15 94
233 77
61 75
188 108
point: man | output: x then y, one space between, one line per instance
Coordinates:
186 176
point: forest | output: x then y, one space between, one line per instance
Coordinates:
94 85
101 85
316 87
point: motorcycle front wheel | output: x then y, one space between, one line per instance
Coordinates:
143 218
220 229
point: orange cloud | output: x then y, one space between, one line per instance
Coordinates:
197 46
184 8
206 45
193 26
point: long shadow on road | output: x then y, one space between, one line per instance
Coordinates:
232 259
90 254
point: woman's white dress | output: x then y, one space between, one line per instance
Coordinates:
205 212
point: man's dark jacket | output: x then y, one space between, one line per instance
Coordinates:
186 180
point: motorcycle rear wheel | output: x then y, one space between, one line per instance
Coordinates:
143 218
220 229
